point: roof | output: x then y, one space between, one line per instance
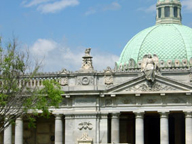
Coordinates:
168 41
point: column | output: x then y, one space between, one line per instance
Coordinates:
8 135
171 11
139 128
19 131
115 128
164 128
163 12
188 128
58 129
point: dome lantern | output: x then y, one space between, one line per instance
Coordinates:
168 12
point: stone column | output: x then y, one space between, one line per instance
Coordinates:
163 12
19 131
164 128
8 135
58 129
188 128
115 128
139 128
171 11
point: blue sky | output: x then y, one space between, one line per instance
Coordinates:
58 31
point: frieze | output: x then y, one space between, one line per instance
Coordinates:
126 101
155 87
177 100
85 126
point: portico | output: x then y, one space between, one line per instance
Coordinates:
147 127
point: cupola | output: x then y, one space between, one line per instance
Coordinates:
168 12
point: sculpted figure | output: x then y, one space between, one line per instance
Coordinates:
149 66
87 52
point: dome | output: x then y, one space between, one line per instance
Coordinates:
167 41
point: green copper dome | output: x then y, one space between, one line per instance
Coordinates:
168 41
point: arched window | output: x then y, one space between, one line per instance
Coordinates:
159 12
175 11
167 11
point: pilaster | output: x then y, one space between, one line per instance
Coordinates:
58 129
115 128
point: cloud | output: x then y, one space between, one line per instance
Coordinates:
112 6
150 9
42 47
57 6
187 4
34 2
47 6
57 56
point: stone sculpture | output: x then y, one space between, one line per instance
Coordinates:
150 66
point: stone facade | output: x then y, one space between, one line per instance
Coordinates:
113 106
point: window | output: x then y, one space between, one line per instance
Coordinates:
167 11
159 12
175 11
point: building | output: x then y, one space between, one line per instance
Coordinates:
145 99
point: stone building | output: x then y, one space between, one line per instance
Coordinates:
145 99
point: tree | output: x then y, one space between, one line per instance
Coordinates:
16 97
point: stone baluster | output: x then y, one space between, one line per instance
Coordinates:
19 131
139 128
164 128
115 128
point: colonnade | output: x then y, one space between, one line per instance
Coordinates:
115 128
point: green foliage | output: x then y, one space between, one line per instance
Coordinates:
16 94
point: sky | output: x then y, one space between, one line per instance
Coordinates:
57 32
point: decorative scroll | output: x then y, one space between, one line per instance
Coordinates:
85 126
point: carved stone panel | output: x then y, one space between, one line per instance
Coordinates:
85 126
155 87
64 81
85 139
85 80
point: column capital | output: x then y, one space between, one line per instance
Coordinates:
115 115
164 114
188 114
139 115
19 119
104 116
58 116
